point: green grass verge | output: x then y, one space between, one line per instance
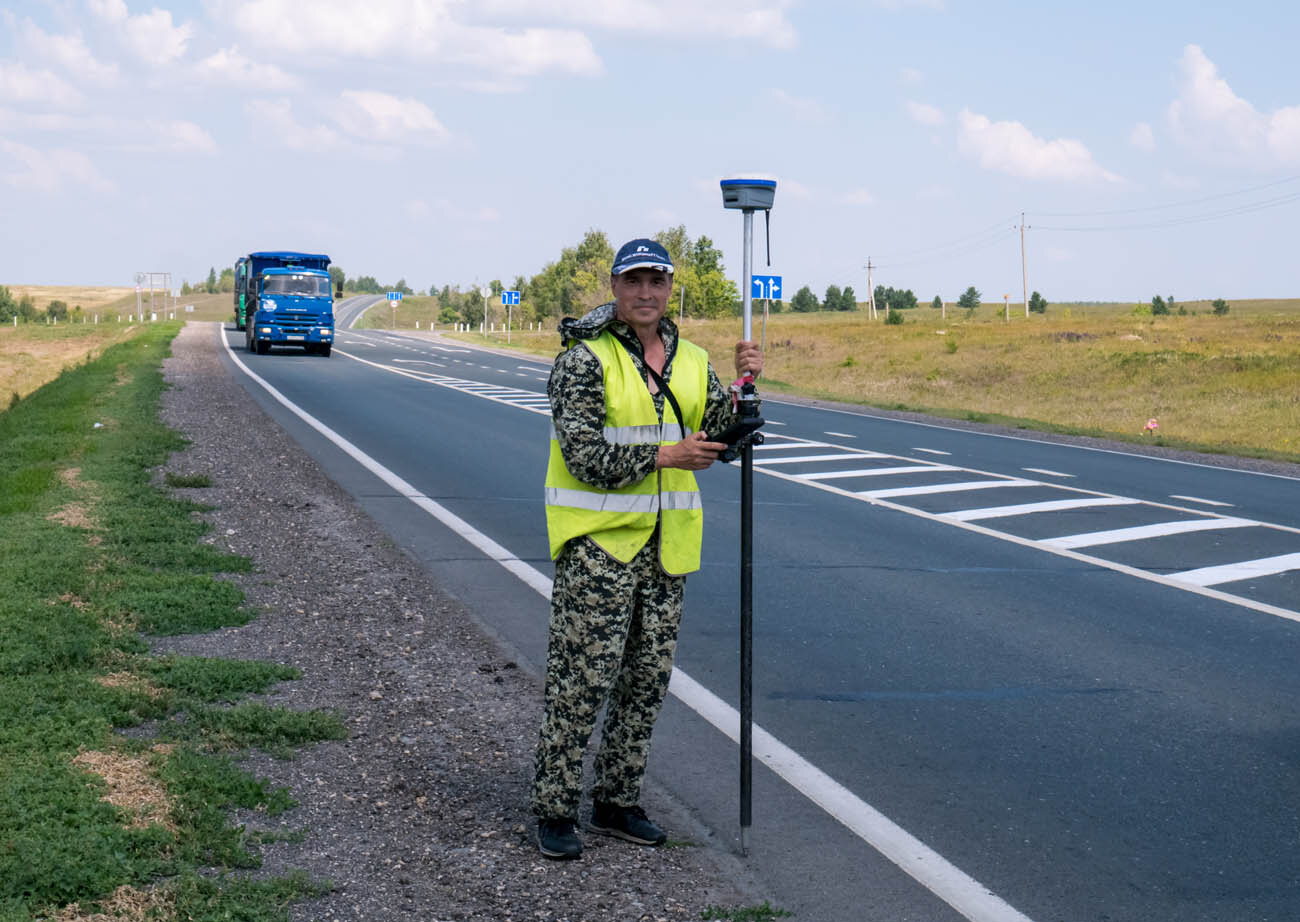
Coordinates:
92 556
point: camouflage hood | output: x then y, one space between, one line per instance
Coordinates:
589 325
595 321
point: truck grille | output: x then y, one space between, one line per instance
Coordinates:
298 321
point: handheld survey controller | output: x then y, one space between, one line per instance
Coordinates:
743 431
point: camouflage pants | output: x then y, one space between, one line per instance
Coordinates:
613 635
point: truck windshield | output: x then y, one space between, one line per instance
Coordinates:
304 286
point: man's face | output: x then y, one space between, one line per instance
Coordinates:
641 296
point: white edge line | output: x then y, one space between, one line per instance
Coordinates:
964 894
969 897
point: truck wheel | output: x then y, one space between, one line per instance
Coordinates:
324 349
249 342
263 347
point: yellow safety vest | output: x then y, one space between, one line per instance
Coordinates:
621 521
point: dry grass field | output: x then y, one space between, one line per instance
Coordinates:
1221 383
32 354
90 297
1227 384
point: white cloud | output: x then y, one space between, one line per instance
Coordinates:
1142 137
230 67
419 29
109 10
524 53
48 170
340 26
925 114
20 84
761 21
185 137
151 36
278 114
1208 116
379 117
68 52
859 197
1010 147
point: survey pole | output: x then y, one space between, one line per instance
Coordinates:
748 196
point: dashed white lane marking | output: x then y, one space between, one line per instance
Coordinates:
948 882
1046 473
1197 499
1057 505
933 451
1142 532
840 435
1246 569
879 471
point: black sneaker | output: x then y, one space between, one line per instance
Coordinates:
558 838
628 823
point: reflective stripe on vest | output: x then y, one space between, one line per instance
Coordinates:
621 521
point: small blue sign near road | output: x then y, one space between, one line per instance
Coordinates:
509 297
767 286
394 296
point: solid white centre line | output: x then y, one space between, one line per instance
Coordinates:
1057 505
840 435
879 471
932 451
1039 470
1246 569
1143 532
948 882
1197 499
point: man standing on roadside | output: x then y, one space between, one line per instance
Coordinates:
631 405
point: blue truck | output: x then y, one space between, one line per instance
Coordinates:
284 298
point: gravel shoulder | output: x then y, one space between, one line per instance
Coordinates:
423 811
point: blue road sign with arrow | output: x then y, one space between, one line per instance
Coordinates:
394 296
767 286
509 297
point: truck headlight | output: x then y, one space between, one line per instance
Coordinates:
265 330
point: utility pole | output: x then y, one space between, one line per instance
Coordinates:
1024 276
871 290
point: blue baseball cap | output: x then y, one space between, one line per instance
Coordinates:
641 253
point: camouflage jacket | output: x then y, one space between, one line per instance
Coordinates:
577 392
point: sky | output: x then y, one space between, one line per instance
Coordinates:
1152 147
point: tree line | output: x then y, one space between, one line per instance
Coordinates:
25 309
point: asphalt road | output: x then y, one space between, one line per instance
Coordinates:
1049 682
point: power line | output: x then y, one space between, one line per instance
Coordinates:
1277 202
971 238
1180 204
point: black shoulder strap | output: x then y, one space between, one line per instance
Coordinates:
659 380
668 392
